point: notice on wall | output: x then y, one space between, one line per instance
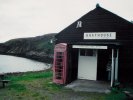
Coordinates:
89 47
100 35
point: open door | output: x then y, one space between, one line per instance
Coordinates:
60 65
104 65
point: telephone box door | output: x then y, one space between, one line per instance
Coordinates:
60 63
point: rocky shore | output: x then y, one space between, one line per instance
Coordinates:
38 48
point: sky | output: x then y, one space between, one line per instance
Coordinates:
30 18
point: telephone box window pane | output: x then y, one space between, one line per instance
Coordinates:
59 55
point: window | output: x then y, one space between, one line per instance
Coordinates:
87 52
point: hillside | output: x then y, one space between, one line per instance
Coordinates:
38 48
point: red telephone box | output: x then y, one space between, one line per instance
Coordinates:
60 63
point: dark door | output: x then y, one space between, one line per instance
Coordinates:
103 68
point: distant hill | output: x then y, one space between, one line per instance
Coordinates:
38 48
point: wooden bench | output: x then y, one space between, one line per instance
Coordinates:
4 82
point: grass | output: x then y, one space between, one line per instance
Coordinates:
39 86
30 76
116 95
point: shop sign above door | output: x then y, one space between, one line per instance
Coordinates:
100 35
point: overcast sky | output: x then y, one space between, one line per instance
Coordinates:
29 18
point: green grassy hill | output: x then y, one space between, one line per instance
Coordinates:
38 48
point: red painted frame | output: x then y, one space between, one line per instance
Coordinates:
60 60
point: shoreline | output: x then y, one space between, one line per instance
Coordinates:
21 73
46 59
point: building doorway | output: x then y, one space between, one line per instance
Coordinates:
104 65
87 64
95 64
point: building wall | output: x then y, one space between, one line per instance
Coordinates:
72 64
126 63
100 20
